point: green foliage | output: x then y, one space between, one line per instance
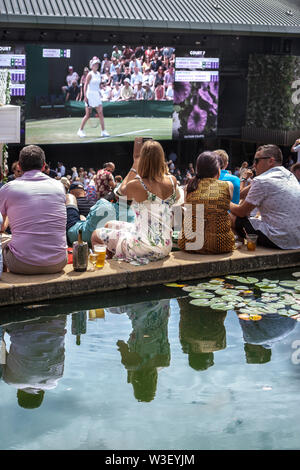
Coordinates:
7 93
4 156
270 91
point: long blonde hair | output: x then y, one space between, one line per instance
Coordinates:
152 161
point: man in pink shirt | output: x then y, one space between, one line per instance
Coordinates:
36 211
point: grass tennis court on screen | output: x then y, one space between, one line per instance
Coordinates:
64 130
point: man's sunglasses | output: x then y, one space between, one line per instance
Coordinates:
256 160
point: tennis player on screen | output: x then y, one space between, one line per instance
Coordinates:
92 97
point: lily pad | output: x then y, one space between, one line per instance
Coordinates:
276 305
266 285
201 295
283 312
244 280
289 283
268 309
296 274
255 303
251 280
207 285
288 313
232 277
220 306
273 290
200 302
190 288
249 310
217 281
223 291
232 298
287 299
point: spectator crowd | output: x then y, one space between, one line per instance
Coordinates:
261 199
129 74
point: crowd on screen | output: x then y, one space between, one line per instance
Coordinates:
129 74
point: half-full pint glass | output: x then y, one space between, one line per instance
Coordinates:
100 250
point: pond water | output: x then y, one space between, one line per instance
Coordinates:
148 370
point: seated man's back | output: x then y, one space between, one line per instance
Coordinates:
35 206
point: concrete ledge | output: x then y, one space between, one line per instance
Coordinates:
179 266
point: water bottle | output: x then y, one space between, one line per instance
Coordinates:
80 254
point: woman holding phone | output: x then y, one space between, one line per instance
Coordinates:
92 97
153 194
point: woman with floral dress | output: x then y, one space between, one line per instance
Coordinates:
153 193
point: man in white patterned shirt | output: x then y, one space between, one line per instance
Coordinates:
275 191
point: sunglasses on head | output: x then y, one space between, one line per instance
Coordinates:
256 159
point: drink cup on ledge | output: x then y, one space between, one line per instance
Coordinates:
100 250
251 242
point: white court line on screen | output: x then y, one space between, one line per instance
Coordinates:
116 135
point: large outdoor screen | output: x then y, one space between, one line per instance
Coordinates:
13 60
162 92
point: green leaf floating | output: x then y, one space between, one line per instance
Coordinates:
190 288
230 298
288 313
223 291
221 306
201 295
216 282
289 284
266 285
250 311
232 277
200 302
206 285
274 290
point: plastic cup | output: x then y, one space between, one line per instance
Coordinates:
251 242
100 250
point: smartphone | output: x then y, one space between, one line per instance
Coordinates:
147 138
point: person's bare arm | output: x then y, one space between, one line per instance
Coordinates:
138 142
5 223
87 81
241 210
244 191
230 185
297 142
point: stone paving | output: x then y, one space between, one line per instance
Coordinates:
115 275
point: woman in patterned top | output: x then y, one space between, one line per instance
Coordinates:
153 193
206 223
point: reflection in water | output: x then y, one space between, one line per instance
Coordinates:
261 335
201 332
35 360
78 325
148 346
